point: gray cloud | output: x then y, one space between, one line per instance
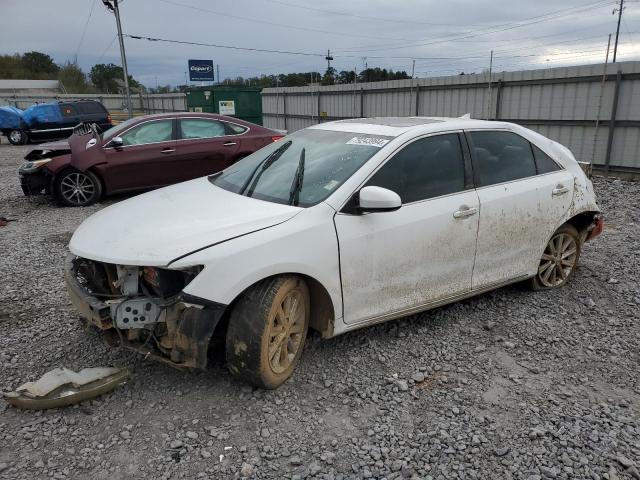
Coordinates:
572 32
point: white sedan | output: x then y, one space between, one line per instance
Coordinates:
335 227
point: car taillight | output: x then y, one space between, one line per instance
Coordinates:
109 119
598 227
275 138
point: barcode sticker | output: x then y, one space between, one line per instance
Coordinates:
368 141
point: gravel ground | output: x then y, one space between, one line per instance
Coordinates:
508 385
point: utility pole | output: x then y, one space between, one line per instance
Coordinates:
218 72
328 58
114 8
615 47
490 72
602 85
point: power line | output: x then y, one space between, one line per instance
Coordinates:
491 30
281 25
105 50
232 47
84 30
367 17
310 54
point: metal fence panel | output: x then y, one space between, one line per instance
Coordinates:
561 103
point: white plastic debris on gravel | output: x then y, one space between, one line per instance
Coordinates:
509 385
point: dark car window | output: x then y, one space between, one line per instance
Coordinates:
90 108
201 128
149 132
427 168
234 129
544 162
68 110
502 157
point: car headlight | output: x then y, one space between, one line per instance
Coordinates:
32 166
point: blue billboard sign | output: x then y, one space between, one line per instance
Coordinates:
201 70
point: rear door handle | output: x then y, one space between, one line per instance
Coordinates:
465 212
560 190
168 150
229 144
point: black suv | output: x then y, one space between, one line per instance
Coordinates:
56 120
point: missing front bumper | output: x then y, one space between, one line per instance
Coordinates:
186 325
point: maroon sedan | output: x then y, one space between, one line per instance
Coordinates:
142 153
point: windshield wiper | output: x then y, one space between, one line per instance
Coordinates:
266 163
296 185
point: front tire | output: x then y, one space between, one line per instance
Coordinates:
17 137
74 188
559 259
267 331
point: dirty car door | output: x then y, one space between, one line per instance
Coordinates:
521 205
146 158
392 262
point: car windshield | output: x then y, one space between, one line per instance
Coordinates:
302 169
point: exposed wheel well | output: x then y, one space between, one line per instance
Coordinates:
582 222
322 309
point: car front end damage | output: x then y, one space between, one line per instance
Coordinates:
144 309
34 174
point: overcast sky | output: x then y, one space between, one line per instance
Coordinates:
445 37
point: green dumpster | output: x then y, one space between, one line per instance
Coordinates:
241 102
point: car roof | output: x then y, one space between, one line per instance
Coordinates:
395 126
213 116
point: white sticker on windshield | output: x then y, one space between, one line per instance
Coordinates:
368 141
331 185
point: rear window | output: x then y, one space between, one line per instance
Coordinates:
234 129
502 157
90 108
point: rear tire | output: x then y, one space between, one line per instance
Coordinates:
17 137
267 331
74 188
559 259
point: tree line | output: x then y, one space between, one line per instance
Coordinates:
103 78
107 78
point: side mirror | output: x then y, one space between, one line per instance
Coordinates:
116 142
378 199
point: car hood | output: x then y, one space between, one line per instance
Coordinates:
48 150
158 227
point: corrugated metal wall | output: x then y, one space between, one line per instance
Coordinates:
560 103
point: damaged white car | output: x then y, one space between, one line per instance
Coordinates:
335 227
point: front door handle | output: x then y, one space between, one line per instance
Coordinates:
229 144
168 150
560 190
465 212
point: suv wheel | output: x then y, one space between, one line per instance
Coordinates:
559 259
77 189
267 331
17 137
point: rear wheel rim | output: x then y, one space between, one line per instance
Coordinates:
286 331
15 136
558 260
77 188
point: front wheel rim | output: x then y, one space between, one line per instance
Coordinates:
15 136
286 331
77 188
558 260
